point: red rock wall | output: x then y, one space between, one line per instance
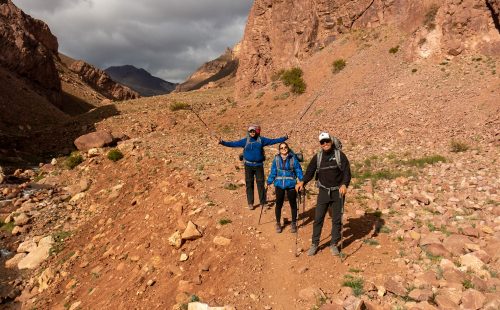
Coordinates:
281 33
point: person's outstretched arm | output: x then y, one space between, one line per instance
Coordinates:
267 141
239 143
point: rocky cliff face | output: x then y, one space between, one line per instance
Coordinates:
214 72
28 48
101 81
280 34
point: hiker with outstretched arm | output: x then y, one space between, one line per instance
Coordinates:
333 175
253 158
285 170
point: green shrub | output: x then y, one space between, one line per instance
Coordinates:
8 226
427 160
225 221
73 160
176 106
394 50
338 65
115 155
282 96
231 186
457 147
355 283
293 78
430 17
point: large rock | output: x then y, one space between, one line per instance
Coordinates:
456 244
395 285
472 262
445 303
191 232
37 256
472 300
27 246
21 219
102 82
28 48
311 294
93 140
11 263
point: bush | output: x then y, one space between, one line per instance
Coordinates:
176 106
355 283
428 160
338 65
457 147
73 160
394 50
293 78
115 155
223 222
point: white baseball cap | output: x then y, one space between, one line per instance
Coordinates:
324 136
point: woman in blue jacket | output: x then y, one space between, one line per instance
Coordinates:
285 170
253 157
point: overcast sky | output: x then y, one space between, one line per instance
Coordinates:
168 38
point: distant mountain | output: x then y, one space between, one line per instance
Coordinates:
140 80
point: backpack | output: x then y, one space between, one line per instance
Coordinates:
259 140
337 147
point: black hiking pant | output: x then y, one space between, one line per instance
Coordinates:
319 217
252 172
280 198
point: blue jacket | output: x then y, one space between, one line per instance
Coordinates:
282 174
253 153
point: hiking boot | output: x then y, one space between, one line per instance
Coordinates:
293 228
250 206
278 228
312 250
335 251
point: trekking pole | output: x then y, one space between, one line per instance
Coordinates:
342 201
262 205
303 205
297 231
203 122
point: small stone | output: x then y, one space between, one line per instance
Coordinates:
191 232
75 305
21 219
184 257
175 240
222 241
151 282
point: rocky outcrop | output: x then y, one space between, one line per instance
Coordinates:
28 48
102 82
213 73
280 34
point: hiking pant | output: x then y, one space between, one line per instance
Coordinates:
280 198
258 173
319 216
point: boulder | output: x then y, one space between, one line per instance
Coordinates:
21 219
11 263
436 249
27 246
456 244
472 300
93 140
472 262
445 303
191 232
420 294
395 286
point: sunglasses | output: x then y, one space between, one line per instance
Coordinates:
252 131
325 141
283 148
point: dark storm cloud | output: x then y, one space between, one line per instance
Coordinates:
169 38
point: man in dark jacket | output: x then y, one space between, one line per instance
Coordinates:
253 157
332 181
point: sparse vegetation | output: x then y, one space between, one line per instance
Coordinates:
371 242
430 17
356 283
225 221
259 94
458 147
115 155
338 65
8 226
385 230
59 238
282 96
73 160
467 284
394 50
231 186
427 160
293 78
354 270
176 106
